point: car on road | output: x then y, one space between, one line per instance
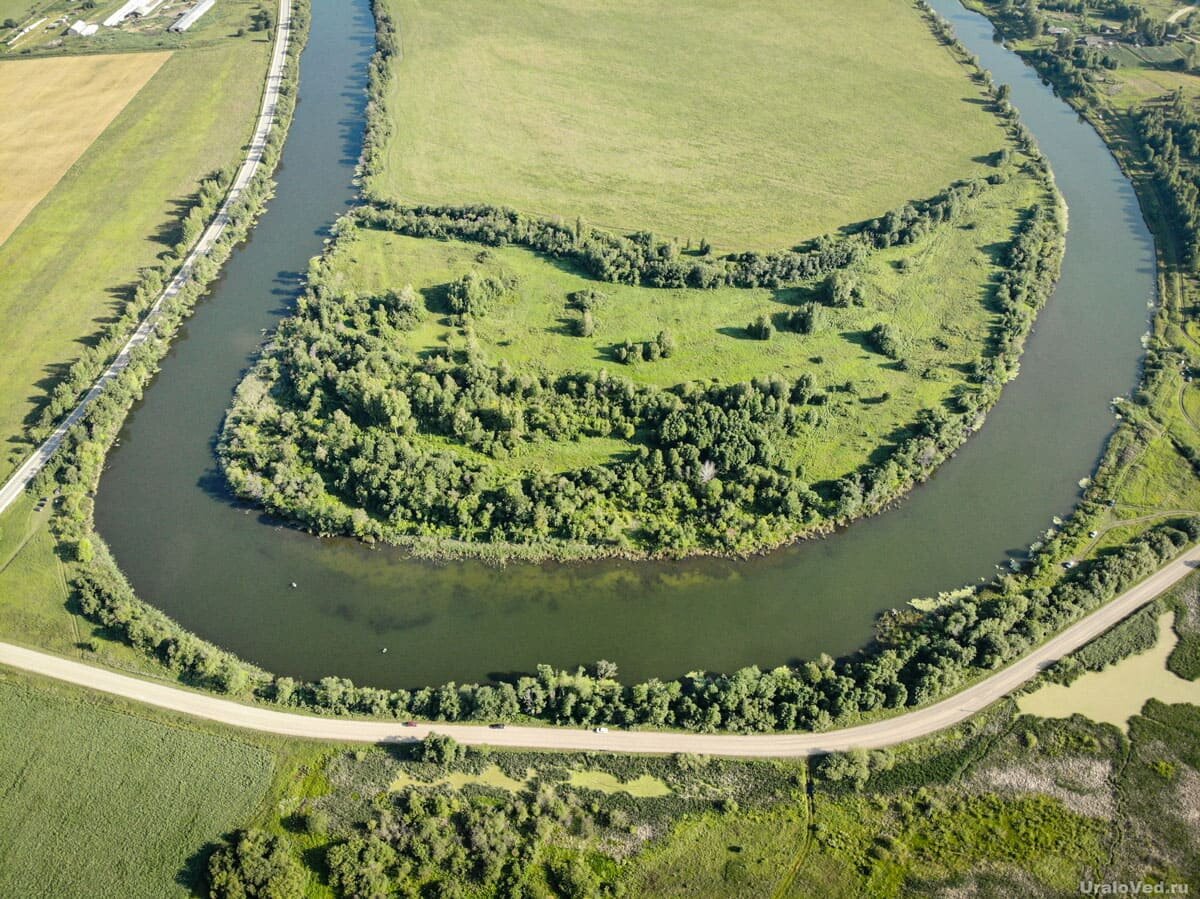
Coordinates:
499 725
409 724
601 730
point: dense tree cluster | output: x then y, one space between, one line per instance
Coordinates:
446 842
254 863
1170 135
1074 69
1032 263
379 124
336 444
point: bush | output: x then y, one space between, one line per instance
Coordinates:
841 290
254 863
761 328
884 339
439 749
473 294
851 767
811 318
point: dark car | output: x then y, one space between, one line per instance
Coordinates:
409 724
499 725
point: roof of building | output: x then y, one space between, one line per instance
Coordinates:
189 18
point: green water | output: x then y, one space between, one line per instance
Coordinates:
225 572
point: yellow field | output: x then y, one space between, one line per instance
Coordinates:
52 110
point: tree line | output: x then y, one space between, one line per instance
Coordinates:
643 258
1170 136
915 658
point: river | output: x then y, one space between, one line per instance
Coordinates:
225 571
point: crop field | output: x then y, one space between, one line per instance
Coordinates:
98 802
53 109
754 125
939 302
74 258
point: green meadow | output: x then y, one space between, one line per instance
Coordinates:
102 802
937 293
754 125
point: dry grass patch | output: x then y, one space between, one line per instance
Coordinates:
52 110
1081 783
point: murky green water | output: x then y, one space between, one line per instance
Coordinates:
225 572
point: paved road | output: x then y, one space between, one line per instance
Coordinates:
16 485
908 726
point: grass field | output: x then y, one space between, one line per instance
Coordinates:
53 110
100 802
939 304
20 9
752 124
72 261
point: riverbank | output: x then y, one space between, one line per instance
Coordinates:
905 727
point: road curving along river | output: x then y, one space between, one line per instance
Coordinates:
226 572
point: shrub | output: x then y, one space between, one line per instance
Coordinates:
254 863
761 328
884 339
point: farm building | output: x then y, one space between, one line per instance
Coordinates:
83 29
147 7
122 13
189 18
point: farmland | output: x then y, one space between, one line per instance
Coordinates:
55 109
100 802
752 125
75 259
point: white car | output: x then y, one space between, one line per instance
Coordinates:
601 730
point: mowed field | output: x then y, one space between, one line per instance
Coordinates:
73 260
753 124
52 110
939 304
99 802
19 10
